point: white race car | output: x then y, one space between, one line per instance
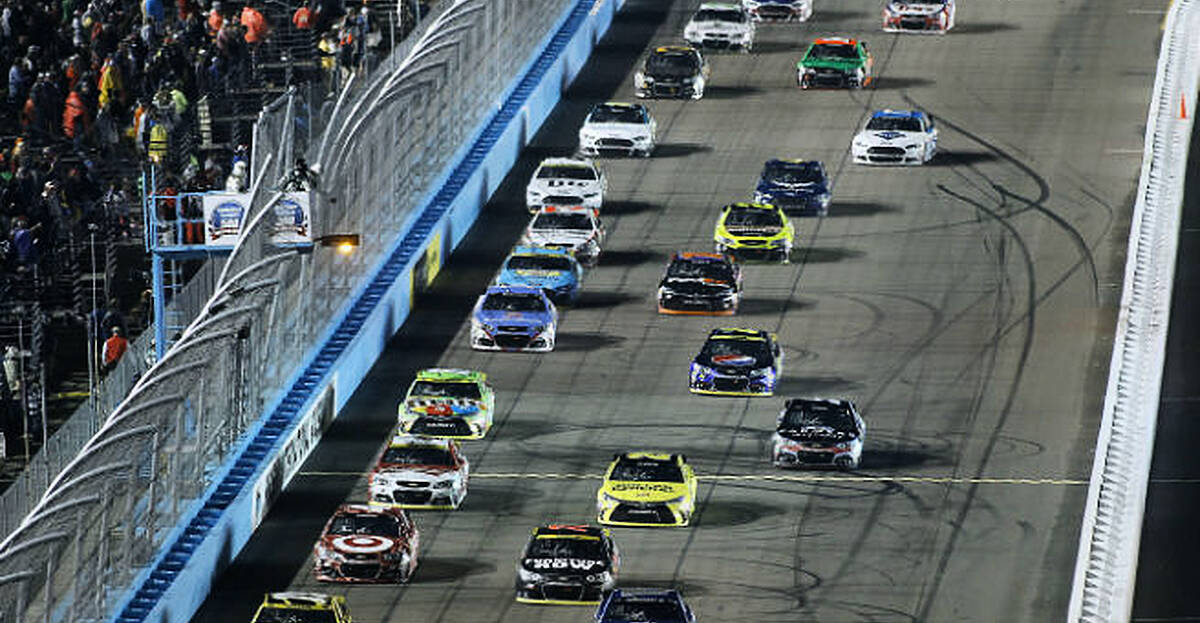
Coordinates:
566 181
720 25
896 137
617 127
778 10
936 16
418 472
574 228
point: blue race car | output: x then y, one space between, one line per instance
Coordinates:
514 318
644 605
737 362
798 187
555 271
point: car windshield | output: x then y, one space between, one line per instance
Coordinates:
792 172
538 262
689 269
736 352
587 549
753 217
833 50
806 415
643 610
562 220
566 171
418 455
617 114
900 124
720 15
647 470
672 64
514 303
449 389
294 615
376 525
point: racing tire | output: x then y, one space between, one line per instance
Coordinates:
845 462
643 153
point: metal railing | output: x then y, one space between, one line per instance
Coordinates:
108 513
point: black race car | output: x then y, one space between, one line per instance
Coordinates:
672 71
707 284
567 564
737 362
816 431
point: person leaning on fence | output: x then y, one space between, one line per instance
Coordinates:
114 347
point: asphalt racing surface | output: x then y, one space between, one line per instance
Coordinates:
967 306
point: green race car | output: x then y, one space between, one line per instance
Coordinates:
448 403
753 231
835 64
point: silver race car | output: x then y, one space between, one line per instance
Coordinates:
566 181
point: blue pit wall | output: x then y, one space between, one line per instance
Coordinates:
175 585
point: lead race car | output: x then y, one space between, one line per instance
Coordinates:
365 544
720 25
567 564
448 402
933 16
896 137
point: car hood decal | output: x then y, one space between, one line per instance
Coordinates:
646 491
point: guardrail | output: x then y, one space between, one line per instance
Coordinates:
1106 563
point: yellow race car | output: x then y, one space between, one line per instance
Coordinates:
647 489
753 231
297 607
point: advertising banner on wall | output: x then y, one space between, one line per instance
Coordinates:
292 224
224 215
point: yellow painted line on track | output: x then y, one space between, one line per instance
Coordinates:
818 478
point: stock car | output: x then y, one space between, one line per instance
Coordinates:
798 187
298 607
555 271
815 431
514 318
364 544
651 489
418 472
737 362
644 605
574 228
618 127
566 181
936 16
720 25
896 137
672 71
700 284
448 402
754 231
835 63
778 10
567 564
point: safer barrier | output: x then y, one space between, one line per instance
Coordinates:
1106 563
175 585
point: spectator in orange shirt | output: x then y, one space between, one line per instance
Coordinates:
215 19
255 23
114 347
302 18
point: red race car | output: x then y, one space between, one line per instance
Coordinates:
365 544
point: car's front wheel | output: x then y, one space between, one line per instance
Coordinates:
845 462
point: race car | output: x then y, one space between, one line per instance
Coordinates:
567 564
364 544
448 402
617 127
514 318
574 228
418 472
672 71
566 181
737 362
648 605
896 137
720 25
812 431
754 231
778 10
647 489
555 271
936 16
835 63
700 283
798 187
290 607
